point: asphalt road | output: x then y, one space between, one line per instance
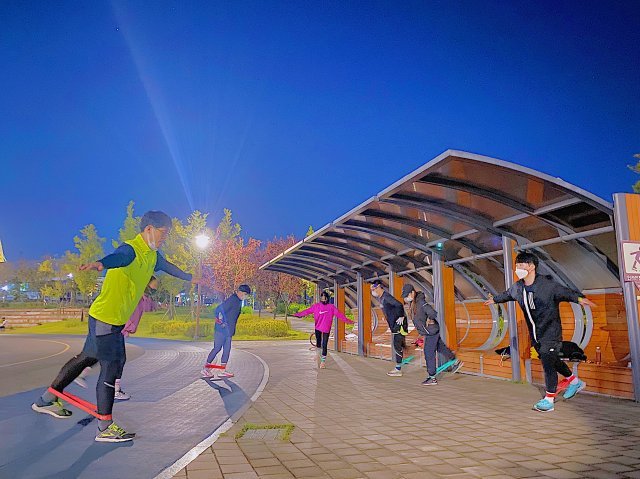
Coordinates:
172 409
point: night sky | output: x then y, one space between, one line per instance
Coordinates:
291 113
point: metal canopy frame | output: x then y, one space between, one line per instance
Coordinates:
402 226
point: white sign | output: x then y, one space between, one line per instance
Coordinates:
631 261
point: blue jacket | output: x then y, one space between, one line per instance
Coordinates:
229 309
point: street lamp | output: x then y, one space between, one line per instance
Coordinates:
202 241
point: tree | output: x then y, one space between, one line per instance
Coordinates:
226 230
51 285
89 246
231 260
130 228
277 287
308 287
636 168
25 275
181 250
231 263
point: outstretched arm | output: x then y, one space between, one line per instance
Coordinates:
305 312
122 256
163 265
341 316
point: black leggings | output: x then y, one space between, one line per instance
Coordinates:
104 345
105 389
551 363
322 340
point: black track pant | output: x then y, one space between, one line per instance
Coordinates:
551 363
322 340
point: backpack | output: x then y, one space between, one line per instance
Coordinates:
570 351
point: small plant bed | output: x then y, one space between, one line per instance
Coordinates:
265 432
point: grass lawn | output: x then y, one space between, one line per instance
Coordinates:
156 325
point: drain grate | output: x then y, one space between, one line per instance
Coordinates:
265 432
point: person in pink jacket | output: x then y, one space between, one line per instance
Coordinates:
144 305
323 313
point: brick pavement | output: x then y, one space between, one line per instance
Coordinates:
352 421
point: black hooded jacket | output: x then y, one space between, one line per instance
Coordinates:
541 308
393 309
423 313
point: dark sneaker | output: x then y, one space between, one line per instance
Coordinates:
55 409
121 396
455 367
430 381
114 433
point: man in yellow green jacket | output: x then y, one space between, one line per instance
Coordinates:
129 269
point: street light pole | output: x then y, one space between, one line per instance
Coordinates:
202 241
195 336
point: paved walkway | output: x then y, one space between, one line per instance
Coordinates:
352 421
171 409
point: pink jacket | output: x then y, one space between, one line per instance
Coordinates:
323 314
145 304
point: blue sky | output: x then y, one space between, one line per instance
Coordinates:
291 113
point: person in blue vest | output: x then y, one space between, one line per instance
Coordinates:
129 269
226 315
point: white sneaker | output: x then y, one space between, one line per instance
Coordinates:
80 381
226 374
395 373
122 396
208 373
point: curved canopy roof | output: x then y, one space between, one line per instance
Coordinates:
459 206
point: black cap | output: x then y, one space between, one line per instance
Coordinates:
244 288
406 290
157 219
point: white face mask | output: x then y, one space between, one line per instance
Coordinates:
521 273
408 299
374 294
151 242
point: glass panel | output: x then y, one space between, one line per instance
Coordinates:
441 222
585 269
533 229
495 210
580 217
527 189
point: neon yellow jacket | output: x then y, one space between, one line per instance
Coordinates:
124 286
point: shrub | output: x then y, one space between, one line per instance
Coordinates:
248 325
293 307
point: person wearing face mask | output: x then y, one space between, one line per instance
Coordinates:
129 270
394 313
539 297
424 319
226 314
323 314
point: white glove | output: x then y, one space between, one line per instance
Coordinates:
400 320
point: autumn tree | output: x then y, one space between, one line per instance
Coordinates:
277 287
308 287
230 260
636 168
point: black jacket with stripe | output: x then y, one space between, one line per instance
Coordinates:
541 306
